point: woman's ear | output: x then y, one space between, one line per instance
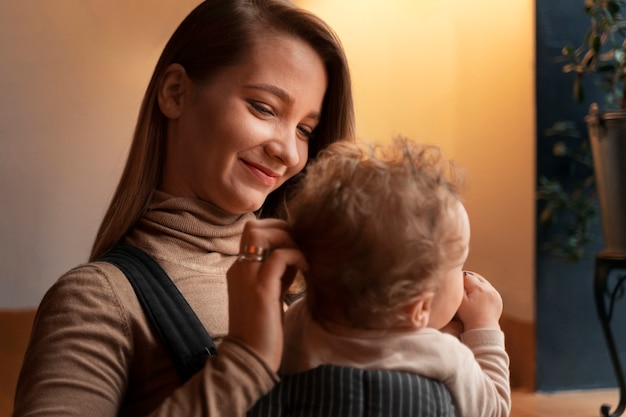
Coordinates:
419 310
172 90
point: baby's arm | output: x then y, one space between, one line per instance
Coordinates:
480 313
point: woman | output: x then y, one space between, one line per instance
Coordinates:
243 95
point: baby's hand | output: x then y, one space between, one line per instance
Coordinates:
454 327
482 304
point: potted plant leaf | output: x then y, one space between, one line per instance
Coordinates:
570 211
602 55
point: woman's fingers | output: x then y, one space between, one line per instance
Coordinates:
256 282
266 234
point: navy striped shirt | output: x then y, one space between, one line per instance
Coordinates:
330 390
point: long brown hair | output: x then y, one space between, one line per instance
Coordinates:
217 33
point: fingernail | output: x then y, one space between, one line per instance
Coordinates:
467 273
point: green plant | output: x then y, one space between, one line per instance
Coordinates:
570 199
570 211
601 53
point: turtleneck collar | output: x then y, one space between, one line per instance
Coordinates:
190 225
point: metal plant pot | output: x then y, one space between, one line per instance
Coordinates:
607 133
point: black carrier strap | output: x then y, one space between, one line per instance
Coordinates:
178 327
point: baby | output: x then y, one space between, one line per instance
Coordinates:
386 236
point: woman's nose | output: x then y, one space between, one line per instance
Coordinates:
284 147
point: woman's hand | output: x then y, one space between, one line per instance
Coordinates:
482 304
256 284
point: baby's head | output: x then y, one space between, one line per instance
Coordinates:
381 227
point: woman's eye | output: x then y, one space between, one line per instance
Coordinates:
261 108
305 131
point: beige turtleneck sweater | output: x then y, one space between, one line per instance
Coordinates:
93 353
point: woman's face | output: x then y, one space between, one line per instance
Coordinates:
450 293
241 135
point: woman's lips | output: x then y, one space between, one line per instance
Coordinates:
263 174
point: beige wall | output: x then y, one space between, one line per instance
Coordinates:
455 73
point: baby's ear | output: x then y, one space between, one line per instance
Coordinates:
172 90
419 310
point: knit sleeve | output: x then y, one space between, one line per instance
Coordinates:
232 383
90 356
481 386
77 359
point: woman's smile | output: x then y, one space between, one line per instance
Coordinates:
263 174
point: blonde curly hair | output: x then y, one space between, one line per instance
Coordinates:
374 223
